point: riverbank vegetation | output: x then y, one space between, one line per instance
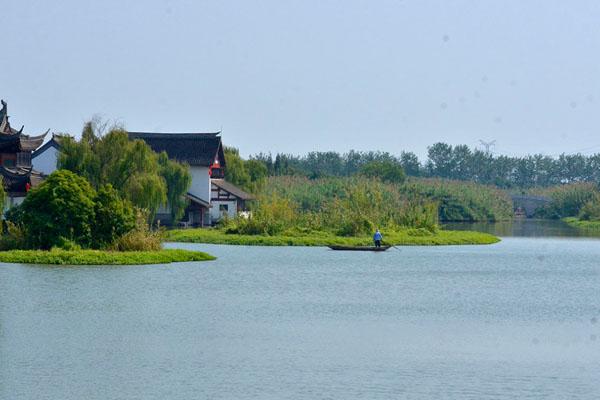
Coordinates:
138 174
99 257
294 210
406 237
65 221
580 200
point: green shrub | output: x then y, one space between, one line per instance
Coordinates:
271 215
62 207
568 200
141 237
66 244
13 237
386 170
113 217
591 210
66 212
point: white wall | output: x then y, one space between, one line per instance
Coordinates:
11 202
200 182
216 215
46 162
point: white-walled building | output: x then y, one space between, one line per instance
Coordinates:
210 197
45 158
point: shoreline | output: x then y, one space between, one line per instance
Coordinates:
408 237
577 223
100 257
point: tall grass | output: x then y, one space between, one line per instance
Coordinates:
573 200
462 201
356 205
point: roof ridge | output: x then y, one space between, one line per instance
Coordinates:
166 134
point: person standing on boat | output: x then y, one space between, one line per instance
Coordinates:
377 237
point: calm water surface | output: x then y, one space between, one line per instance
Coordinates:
514 320
525 228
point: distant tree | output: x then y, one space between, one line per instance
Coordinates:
236 170
440 162
386 171
248 174
461 163
410 163
258 172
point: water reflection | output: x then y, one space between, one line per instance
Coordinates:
524 228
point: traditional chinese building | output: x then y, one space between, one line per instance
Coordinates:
16 149
210 196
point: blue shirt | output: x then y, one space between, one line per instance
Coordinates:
377 236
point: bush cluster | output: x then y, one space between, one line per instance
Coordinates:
575 200
344 206
66 212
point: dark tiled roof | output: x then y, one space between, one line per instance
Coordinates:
231 188
197 200
16 178
15 140
193 148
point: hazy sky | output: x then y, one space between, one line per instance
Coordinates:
295 76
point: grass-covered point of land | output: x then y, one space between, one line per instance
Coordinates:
418 237
99 257
579 223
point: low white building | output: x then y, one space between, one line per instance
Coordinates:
210 196
45 158
227 200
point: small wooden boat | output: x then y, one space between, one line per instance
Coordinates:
360 248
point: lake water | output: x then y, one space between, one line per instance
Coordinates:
518 319
525 228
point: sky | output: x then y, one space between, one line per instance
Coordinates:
297 76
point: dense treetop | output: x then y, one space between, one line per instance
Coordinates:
445 161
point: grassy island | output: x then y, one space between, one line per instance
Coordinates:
582 224
408 237
99 257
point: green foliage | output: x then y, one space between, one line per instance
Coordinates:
569 200
62 207
249 175
462 201
257 170
272 215
140 238
66 212
178 180
344 206
14 214
407 237
13 237
449 162
66 244
386 170
113 217
591 210
131 167
97 257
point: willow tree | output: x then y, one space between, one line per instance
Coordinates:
145 178
178 179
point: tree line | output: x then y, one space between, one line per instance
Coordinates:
443 161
